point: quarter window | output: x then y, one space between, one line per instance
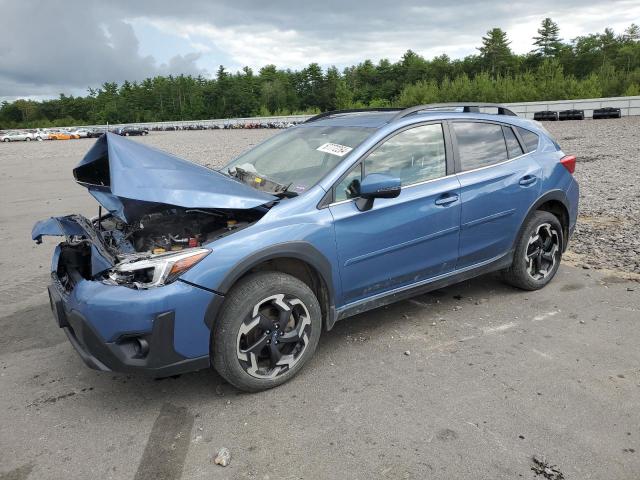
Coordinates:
529 138
513 146
348 187
414 155
479 144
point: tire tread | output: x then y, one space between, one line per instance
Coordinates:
516 275
242 295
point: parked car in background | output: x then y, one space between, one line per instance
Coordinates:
243 268
80 132
42 134
17 136
96 132
131 130
62 135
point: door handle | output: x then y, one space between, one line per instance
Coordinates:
446 199
528 180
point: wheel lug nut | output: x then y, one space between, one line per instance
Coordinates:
268 342
268 332
281 333
276 342
277 326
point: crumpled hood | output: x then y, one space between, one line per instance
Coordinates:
130 179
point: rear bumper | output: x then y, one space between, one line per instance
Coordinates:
160 332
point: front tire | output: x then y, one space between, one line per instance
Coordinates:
538 253
268 328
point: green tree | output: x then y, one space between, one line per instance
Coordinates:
632 33
548 40
495 51
588 66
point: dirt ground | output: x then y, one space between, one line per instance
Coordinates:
492 378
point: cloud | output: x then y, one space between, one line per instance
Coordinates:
54 47
291 34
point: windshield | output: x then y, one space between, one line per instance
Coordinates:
298 158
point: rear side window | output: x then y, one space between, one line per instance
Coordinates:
479 144
513 146
529 138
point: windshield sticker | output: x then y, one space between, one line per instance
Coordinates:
334 149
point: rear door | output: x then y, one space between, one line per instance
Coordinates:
498 182
403 240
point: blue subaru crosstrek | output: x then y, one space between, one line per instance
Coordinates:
243 268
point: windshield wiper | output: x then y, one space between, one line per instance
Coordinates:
260 182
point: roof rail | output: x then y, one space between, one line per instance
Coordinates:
353 110
466 107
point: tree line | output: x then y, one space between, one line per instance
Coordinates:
595 65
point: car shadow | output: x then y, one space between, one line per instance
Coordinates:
138 390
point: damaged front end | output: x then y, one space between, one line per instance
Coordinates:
115 287
150 252
162 212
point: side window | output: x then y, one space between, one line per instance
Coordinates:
347 188
513 146
529 138
414 155
479 144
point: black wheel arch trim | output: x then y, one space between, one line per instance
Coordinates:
298 250
553 195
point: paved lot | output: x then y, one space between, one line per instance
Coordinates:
494 375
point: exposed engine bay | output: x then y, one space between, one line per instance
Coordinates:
169 230
163 212
151 251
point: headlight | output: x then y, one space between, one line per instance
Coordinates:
157 270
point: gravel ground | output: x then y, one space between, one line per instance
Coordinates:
608 170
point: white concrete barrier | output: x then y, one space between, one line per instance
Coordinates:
627 105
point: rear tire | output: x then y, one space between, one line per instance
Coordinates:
538 252
268 328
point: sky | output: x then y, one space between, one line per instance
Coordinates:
48 48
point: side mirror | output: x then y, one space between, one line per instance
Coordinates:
377 185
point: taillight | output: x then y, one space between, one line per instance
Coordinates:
569 162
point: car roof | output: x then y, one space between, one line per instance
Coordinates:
379 119
356 119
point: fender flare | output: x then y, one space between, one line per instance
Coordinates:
557 195
298 250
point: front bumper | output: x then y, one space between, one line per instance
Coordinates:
160 331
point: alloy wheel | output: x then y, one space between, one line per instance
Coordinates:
274 336
542 251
